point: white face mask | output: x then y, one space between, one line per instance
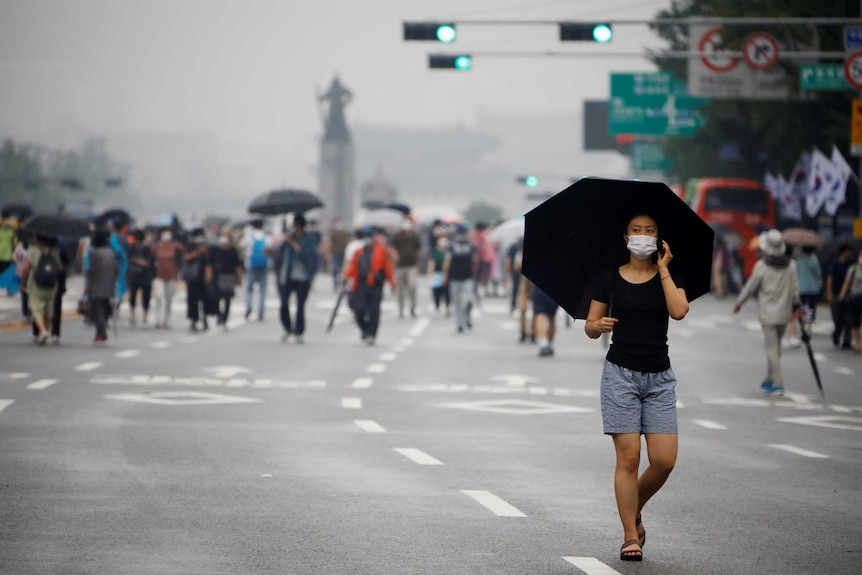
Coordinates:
642 247
166 237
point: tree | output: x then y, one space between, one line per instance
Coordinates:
483 212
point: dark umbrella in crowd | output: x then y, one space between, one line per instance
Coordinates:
118 216
578 233
279 202
55 226
17 210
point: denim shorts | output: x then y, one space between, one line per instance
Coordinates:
637 401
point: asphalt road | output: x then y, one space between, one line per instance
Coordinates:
431 452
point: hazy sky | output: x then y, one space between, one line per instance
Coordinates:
246 71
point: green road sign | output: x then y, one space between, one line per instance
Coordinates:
823 77
653 104
649 157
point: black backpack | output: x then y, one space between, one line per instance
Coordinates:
46 274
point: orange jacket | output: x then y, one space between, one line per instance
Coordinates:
380 260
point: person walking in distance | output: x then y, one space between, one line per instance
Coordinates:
439 289
544 321
102 274
139 277
40 277
257 246
295 266
168 254
226 266
195 274
775 283
851 295
835 275
369 270
459 268
408 249
635 302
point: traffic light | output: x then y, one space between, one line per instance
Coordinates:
529 181
434 31
586 32
461 62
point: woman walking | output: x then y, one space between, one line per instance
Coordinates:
226 273
638 394
102 275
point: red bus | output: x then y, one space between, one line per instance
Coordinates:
743 207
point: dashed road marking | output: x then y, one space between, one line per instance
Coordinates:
42 384
127 353
14 375
4 403
388 356
89 366
494 503
798 451
175 398
351 403
591 566
362 383
419 327
161 344
833 421
369 426
845 371
418 456
708 424
376 368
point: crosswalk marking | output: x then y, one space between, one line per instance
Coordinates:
369 426
160 344
362 383
4 403
418 456
42 384
591 566
494 503
708 424
376 368
127 353
89 366
798 451
351 403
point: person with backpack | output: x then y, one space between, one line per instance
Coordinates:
57 315
369 270
257 246
459 269
295 266
41 276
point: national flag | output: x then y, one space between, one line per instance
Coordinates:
789 206
820 180
838 189
770 182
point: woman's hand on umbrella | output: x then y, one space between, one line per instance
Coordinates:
665 256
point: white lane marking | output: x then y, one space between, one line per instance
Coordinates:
591 566
161 344
821 357
798 451
833 421
182 398
42 384
420 326
14 375
418 456
376 368
388 356
351 403
89 366
362 383
369 426
494 503
845 371
708 424
4 403
126 353
408 341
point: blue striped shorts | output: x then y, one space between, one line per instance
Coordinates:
637 401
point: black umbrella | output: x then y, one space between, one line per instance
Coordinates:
403 208
806 338
16 210
341 295
278 202
119 216
55 226
578 233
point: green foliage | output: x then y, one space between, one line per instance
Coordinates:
483 212
746 138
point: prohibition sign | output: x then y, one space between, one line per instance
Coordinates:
716 60
760 50
853 69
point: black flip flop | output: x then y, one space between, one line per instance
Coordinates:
632 554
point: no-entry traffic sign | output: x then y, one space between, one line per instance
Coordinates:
716 61
760 50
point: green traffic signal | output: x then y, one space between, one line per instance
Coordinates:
432 31
602 33
586 32
462 62
529 181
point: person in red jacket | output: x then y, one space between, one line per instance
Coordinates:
370 269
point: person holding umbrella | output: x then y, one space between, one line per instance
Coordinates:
638 393
775 282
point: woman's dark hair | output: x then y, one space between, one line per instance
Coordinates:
634 215
101 238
